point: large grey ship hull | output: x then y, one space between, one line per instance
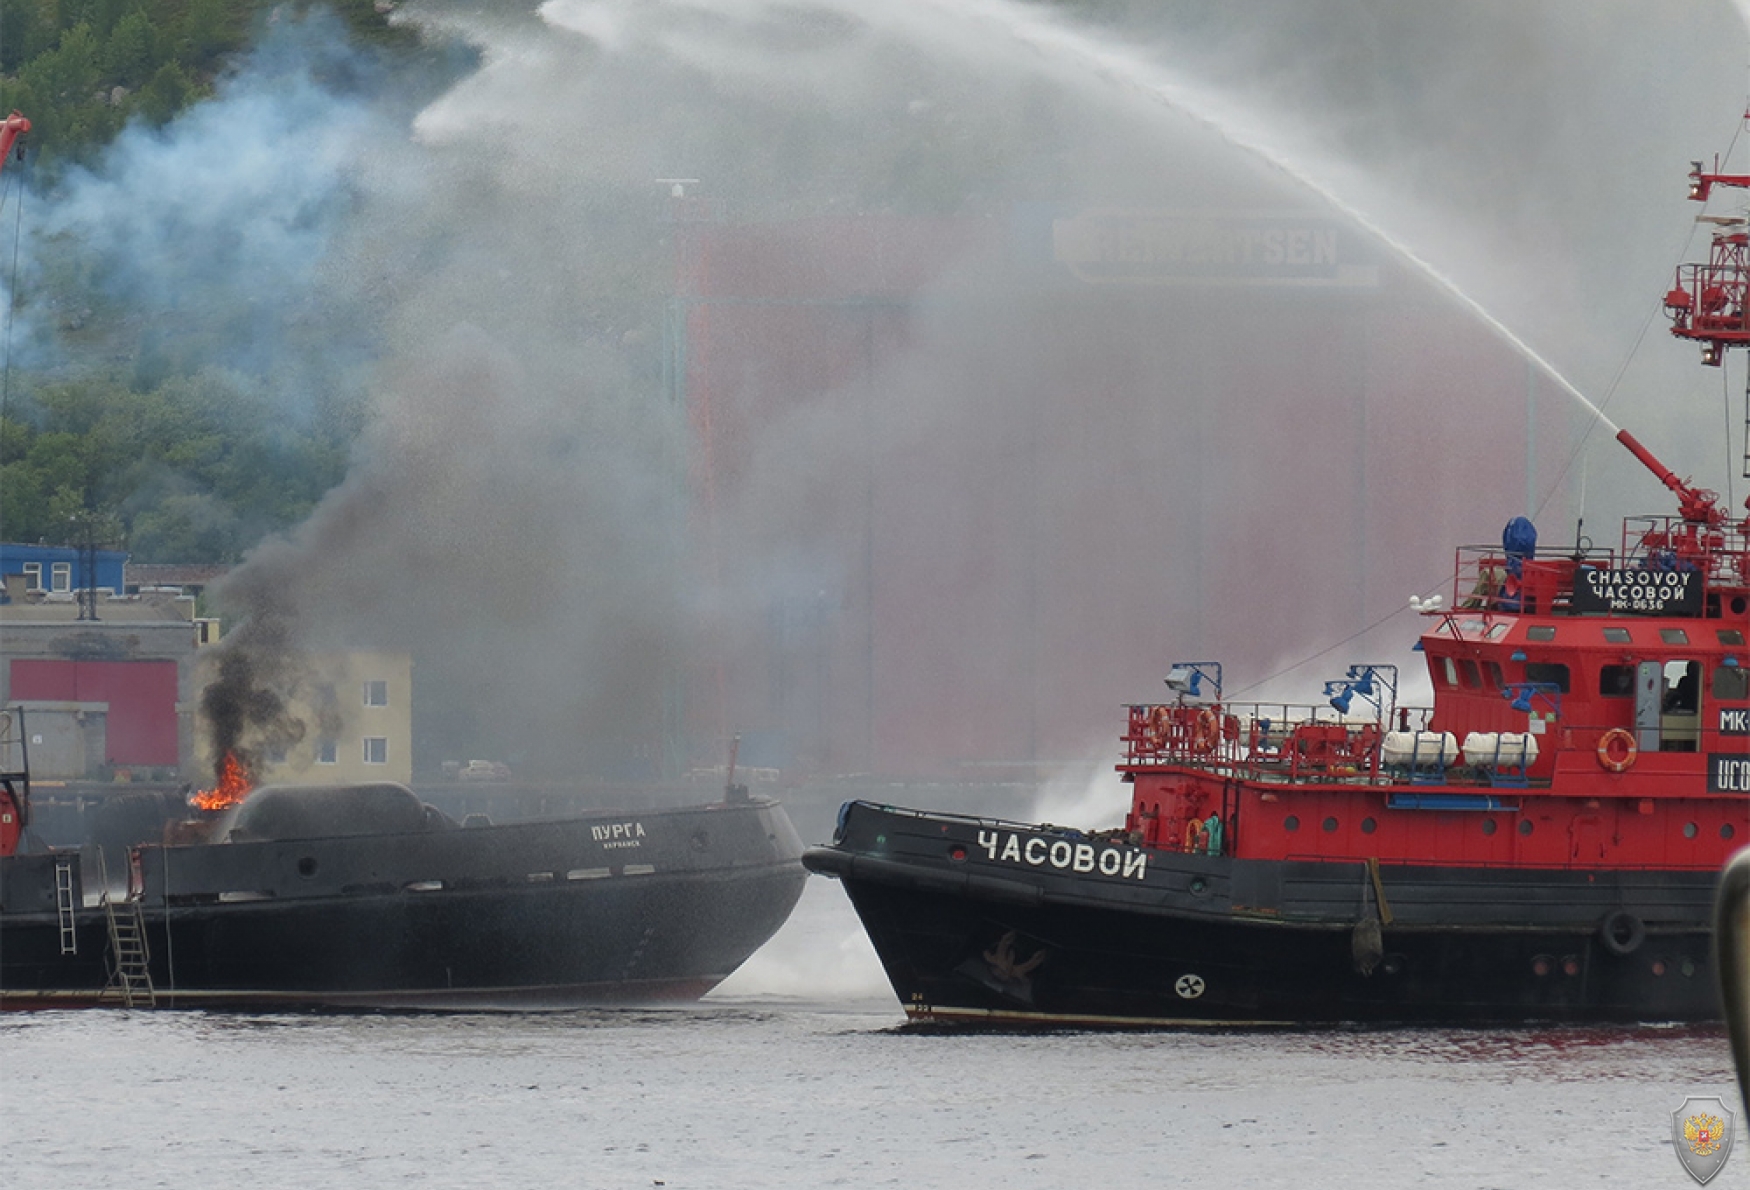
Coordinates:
602 908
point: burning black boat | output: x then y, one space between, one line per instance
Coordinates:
362 896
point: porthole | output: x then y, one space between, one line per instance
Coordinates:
1542 965
1570 965
1368 826
1689 830
1525 826
1658 967
1726 830
1687 966
1489 826
307 866
1291 823
1330 824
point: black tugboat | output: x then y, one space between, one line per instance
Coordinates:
1543 843
364 897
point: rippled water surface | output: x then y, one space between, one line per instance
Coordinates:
798 1073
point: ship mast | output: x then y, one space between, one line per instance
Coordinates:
1710 303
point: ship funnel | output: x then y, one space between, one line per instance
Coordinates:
1694 504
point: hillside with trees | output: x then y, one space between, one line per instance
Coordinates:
82 69
135 428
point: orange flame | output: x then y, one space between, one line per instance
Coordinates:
232 788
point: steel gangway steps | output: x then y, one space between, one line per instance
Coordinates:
130 976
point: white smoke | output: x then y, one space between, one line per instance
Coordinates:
1053 475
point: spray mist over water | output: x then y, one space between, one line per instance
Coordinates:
1123 70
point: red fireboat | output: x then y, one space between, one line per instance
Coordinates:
1541 844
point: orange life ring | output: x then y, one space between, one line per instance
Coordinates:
1616 749
1156 732
1206 733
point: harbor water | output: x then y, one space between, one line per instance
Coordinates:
800 1072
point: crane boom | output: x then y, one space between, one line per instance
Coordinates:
11 128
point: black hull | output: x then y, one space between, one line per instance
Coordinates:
1185 940
540 915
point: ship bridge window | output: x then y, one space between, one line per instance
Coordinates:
1541 632
1468 675
1680 707
1731 636
1674 636
1492 677
1731 683
1547 673
1682 687
1495 632
1617 681
1451 670
1618 636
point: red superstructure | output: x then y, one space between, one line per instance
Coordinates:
1591 707
1591 710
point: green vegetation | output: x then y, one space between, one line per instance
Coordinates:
82 69
140 443
194 470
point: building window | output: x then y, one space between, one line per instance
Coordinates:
376 694
1617 636
327 752
376 750
33 576
61 575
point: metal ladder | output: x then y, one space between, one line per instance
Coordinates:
130 976
64 906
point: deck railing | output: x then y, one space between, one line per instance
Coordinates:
1302 743
1487 578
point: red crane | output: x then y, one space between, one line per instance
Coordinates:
13 127
14 785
